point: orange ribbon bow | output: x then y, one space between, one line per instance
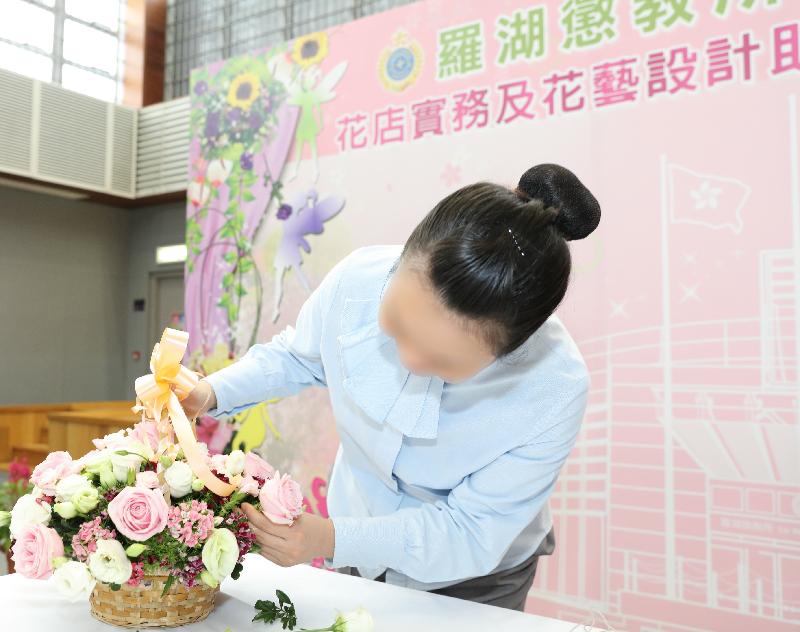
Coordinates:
159 397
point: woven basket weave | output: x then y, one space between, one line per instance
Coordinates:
143 606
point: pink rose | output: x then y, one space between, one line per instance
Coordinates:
281 499
139 513
148 479
256 467
34 550
56 466
146 433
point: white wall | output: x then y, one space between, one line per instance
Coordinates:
150 227
69 272
63 283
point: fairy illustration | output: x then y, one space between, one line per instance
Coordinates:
306 215
309 92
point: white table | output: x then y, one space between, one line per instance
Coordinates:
35 605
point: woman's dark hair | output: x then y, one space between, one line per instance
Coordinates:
499 257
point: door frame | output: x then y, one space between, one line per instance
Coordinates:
169 271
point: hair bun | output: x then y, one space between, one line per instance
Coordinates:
555 186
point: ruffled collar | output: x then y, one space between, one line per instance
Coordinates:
375 379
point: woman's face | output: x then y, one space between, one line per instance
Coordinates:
431 339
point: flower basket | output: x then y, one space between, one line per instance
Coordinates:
148 524
143 606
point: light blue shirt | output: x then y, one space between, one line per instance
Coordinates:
433 482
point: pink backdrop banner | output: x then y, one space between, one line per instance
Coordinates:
680 506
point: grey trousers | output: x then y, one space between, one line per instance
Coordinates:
505 589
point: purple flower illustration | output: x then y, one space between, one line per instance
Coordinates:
200 88
235 115
212 125
284 212
254 121
246 161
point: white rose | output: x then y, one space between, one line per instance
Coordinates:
71 485
74 581
235 463
358 620
136 454
179 478
109 563
26 512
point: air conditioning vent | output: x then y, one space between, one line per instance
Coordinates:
163 148
56 135
72 138
16 104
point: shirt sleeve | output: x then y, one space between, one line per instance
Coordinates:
468 534
284 366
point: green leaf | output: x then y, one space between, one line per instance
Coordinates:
229 257
114 587
131 476
283 598
237 570
248 197
168 585
227 280
245 265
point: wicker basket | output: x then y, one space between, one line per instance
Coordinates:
143 606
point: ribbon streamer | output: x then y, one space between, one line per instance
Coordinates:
159 397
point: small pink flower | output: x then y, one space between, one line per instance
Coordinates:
147 479
137 572
56 466
257 467
139 513
85 541
34 550
281 499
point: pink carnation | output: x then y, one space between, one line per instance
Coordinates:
256 467
56 466
281 499
139 513
137 572
147 479
190 522
85 541
34 550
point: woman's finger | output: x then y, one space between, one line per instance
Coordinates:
267 539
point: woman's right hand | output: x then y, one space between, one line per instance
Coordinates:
200 400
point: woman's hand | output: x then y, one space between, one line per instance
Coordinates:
309 537
200 400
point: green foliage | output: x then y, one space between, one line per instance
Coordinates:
283 611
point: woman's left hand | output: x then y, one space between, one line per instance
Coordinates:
309 537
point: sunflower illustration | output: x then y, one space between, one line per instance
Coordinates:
243 91
310 49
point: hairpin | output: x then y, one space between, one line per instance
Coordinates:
516 243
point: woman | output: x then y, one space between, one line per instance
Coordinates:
456 391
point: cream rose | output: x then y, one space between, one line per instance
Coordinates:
179 478
109 563
220 553
28 511
74 581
